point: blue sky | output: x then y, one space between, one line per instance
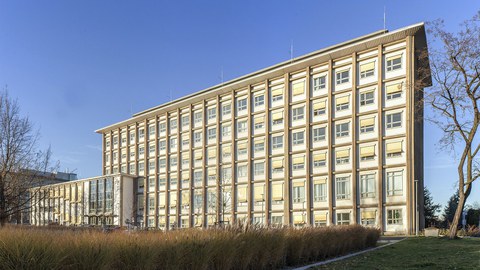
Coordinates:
76 66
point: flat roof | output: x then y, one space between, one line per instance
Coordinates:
332 52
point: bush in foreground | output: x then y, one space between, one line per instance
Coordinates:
241 247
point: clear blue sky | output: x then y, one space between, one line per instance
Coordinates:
76 66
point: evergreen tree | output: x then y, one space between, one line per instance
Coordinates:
450 208
430 209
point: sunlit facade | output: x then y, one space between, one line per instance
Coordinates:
332 137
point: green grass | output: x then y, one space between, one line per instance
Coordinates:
236 247
417 253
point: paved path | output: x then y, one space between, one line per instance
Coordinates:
388 240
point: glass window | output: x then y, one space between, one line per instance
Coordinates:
343 76
395 183
226 109
197 117
132 136
141 150
394 120
173 161
394 216
298 113
277 142
197 137
226 130
212 133
343 218
173 123
367 70
320 192
173 144
141 134
343 188
298 194
367 98
259 100
367 183
319 134
342 130
242 171
185 120
212 113
162 145
319 83
259 168
298 138
162 127
241 105
162 163
151 131
394 63
242 126
259 146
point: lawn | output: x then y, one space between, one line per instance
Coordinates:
417 253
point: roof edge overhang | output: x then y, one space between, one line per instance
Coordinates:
329 53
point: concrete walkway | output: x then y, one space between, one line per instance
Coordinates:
387 241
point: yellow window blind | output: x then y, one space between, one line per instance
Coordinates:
259 193
343 153
298 88
367 151
367 122
277 191
394 88
342 100
242 193
368 214
394 147
367 66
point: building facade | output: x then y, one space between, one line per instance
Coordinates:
332 137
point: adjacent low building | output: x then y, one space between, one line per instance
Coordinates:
331 137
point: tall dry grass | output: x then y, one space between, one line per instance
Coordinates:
240 247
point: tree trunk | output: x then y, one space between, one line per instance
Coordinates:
456 218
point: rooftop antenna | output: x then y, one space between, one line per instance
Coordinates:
291 51
384 18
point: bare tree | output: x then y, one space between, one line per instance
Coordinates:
455 69
22 165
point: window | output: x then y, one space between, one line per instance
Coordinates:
342 103
259 122
173 161
173 123
197 117
394 149
185 120
259 146
162 127
367 98
226 109
242 126
277 94
259 168
151 149
319 83
277 220
298 138
368 217
162 163
141 150
277 142
367 70
132 168
394 216
141 134
394 120
241 105
197 137
343 218
394 91
394 63
151 131
107 144
242 171
319 160
277 118
197 178
259 100
211 113
298 113
141 167
319 108
212 133
367 153
185 160
226 130
241 148
132 137
320 191
173 144
162 145
298 163
342 157
343 188
319 134
342 130
367 125
115 140
298 88
395 183
343 76
185 141
367 183
298 192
